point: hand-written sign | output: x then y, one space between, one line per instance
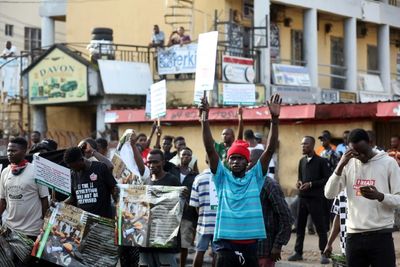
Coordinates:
52 175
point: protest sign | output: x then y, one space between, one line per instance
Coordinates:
239 94
148 103
121 172
52 175
158 96
177 59
73 237
14 244
205 64
213 195
149 216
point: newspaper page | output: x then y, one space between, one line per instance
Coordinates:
121 172
149 216
72 237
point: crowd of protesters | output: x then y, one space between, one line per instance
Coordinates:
351 189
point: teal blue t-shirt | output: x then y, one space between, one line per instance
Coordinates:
239 214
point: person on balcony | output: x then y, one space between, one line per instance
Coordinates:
158 38
179 37
9 51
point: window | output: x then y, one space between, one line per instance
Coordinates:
297 47
337 63
33 38
9 30
372 59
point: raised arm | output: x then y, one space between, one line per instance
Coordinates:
137 157
158 137
153 129
274 106
207 136
240 123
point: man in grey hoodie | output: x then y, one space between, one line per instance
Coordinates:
372 182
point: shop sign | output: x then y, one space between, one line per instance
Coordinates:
177 59
238 69
58 78
296 94
290 75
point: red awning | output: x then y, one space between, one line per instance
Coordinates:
216 114
388 109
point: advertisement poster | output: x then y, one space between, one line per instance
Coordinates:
290 75
239 94
149 216
58 78
73 237
52 175
177 59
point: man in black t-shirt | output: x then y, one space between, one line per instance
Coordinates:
153 257
92 184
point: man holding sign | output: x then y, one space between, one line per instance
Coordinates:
239 193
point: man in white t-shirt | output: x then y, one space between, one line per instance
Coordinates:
9 51
25 201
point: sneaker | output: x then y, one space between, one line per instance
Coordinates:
324 259
296 257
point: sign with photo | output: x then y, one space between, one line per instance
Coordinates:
58 78
290 75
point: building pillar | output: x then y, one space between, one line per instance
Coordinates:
100 118
384 56
350 53
262 19
39 122
311 44
48 32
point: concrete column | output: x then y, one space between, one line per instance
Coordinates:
350 53
261 12
39 122
384 56
48 32
100 117
311 44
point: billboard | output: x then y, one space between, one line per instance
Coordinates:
58 78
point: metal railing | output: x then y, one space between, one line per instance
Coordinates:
336 73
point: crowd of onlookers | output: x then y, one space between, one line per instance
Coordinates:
350 190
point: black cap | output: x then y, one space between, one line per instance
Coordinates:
325 135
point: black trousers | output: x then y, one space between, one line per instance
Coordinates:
236 255
316 207
370 249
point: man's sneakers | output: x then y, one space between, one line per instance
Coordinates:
324 259
296 257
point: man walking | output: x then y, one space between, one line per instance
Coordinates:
372 182
239 193
313 174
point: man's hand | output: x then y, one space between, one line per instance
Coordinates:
158 131
276 254
87 149
328 250
204 107
349 154
133 139
371 192
305 186
299 184
240 112
274 105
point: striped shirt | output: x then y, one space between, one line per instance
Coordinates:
239 213
200 198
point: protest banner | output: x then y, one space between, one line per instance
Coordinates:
149 216
239 94
213 195
52 175
158 96
121 172
73 237
205 64
148 104
177 59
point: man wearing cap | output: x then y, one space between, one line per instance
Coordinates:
239 223
324 135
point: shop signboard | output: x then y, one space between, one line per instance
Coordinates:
58 78
238 69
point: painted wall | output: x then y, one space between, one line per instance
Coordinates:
289 150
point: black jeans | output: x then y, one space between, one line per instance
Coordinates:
236 255
373 249
316 208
